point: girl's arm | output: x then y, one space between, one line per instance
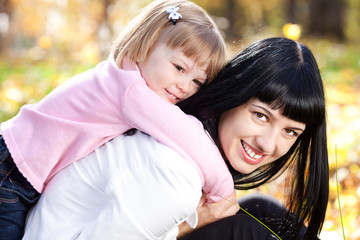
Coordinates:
146 111
211 212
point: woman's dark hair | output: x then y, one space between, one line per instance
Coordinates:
284 74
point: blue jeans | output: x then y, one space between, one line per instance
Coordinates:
16 197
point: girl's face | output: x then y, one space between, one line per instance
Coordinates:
172 75
253 135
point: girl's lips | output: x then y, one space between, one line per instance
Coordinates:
172 98
251 155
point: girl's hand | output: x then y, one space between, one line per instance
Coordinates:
211 212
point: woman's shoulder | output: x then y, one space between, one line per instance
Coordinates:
169 183
142 151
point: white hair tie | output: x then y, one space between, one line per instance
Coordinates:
173 14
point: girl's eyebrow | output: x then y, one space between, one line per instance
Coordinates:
182 60
185 61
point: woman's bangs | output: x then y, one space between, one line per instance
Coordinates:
299 101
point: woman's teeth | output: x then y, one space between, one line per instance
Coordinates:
250 152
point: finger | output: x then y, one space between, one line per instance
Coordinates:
202 199
232 197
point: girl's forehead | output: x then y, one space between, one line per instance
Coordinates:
200 59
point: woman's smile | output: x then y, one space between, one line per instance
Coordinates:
253 135
251 155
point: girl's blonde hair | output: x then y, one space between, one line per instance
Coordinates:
195 33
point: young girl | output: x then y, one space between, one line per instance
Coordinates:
166 53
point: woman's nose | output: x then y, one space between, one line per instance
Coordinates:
267 141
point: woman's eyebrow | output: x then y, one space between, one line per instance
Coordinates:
264 109
298 129
270 114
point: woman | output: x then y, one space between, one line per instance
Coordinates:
266 113
285 76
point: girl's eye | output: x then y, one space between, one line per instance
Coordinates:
261 116
179 68
197 83
291 132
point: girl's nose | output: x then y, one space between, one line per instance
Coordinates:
184 85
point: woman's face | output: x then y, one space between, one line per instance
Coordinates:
253 135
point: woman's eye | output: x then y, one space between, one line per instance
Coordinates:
179 68
291 132
261 116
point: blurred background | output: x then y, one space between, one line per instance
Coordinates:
45 42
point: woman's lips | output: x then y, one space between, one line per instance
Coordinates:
251 155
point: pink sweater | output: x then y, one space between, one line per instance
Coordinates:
95 106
